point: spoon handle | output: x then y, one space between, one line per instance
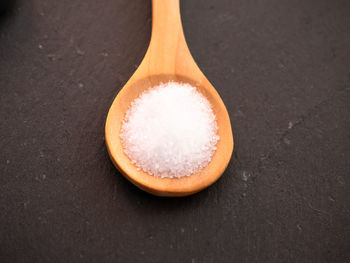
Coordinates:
166 22
168 42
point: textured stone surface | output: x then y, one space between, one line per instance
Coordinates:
283 71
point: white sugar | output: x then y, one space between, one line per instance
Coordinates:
170 131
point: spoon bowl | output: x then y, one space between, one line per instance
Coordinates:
168 59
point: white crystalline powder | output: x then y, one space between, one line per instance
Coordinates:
170 131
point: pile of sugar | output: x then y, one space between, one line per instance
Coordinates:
170 131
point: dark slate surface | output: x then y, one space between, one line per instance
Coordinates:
281 67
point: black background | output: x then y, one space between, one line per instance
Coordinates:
282 68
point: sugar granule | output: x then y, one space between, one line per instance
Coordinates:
170 131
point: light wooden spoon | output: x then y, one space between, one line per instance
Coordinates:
168 59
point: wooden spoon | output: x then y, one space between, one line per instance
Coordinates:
168 59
